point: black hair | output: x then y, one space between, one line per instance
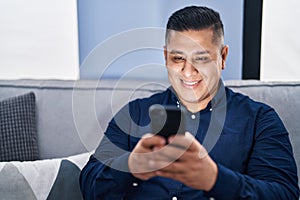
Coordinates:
196 18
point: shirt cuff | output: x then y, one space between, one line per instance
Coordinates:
121 173
227 184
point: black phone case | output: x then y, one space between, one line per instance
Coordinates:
167 120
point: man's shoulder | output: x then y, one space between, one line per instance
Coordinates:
243 101
161 97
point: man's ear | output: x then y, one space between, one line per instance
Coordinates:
224 54
165 55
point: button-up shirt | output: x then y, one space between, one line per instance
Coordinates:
246 139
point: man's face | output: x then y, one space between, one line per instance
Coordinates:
194 62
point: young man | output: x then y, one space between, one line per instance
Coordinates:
234 148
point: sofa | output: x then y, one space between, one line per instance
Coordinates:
69 118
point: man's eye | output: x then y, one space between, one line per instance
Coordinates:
202 59
178 59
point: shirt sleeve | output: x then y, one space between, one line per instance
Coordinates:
106 175
271 170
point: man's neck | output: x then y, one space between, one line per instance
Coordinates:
195 107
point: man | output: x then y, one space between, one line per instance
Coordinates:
234 148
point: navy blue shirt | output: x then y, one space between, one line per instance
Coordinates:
245 138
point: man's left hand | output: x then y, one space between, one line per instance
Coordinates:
186 160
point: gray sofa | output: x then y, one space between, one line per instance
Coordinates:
72 115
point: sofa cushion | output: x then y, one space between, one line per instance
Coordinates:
42 179
18 133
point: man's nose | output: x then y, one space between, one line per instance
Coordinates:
188 69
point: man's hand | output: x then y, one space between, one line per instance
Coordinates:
183 159
141 158
194 167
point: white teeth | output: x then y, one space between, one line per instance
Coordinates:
190 83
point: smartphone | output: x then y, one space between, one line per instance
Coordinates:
167 120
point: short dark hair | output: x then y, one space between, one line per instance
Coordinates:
196 18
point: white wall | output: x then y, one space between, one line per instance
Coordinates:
280 53
38 39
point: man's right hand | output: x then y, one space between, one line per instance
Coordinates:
141 158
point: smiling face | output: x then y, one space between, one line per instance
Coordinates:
194 61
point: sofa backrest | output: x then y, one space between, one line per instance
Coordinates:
72 115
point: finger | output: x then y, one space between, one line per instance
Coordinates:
149 141
186 141
169 152
142 165
144 176
162 165
171 171
176 148
190 143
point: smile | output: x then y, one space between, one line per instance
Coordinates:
190 83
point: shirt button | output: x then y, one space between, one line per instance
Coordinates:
135 184
174 198
193 116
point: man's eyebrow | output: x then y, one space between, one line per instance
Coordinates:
195 53
176 52
201 52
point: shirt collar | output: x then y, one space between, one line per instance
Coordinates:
218 100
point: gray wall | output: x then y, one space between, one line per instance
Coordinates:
115 39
